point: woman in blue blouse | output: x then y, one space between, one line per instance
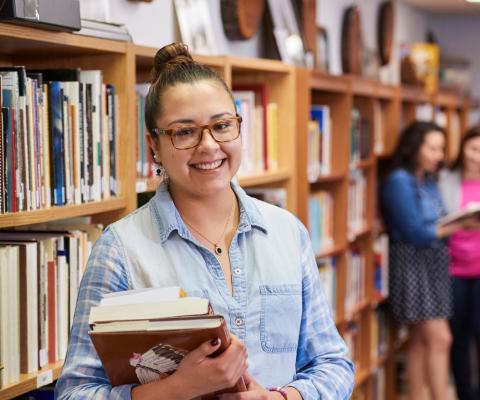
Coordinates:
420 291
252 260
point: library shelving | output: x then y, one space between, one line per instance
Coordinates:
294 91
37 49
353 104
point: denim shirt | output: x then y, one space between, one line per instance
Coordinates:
277 308
412 208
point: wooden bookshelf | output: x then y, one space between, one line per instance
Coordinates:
10 220
396 106
37 48
29 382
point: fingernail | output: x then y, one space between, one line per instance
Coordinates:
214 342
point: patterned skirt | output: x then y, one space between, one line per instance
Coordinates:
419 283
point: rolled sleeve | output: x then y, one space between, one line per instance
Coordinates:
323 369
400 201
83 376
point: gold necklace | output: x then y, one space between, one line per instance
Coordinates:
218 250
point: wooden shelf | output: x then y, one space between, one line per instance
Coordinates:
23 218
32 381
414 94
361 376
363 164
329 83
354 236
356 309
363 87
335 177
330 251
265 178
378 299
258 65
23 40
387 92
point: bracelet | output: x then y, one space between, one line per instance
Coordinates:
279 390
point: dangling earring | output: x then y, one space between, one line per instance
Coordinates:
160 171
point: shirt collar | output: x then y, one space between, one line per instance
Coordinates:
168 219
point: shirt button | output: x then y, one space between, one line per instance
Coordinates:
238 321
237 271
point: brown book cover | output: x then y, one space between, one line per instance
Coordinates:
146 355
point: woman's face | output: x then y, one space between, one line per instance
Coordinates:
471 156
209 167
431 152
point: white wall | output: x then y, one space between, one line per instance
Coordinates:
458 36
154 24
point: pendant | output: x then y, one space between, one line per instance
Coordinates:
218 250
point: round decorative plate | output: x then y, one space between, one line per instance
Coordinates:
241 18
385 29
352 51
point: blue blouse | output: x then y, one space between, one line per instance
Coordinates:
411 208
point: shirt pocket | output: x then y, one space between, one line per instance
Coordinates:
281 308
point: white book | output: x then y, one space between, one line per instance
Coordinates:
142 296
156 310
94 77
62 303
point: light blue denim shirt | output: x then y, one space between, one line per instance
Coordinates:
278 308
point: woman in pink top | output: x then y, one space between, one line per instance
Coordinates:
459 186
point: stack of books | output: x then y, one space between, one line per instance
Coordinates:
140 340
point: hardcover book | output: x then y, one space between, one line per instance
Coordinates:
141 343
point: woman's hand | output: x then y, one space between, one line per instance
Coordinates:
470 224
199 374
255 391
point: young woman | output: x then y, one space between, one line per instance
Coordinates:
420 291
202 232
459 186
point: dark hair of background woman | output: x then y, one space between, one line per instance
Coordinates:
409 143
471 134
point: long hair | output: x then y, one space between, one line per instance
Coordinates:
459 163
409 143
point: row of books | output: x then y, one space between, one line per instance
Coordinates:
379 334
380 265
354 278
319 142
357 201
320 220
360 137
58 133
145 164
40 272
327 268
259 128
379 384
351 336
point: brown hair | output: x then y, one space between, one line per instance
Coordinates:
459 162
173 64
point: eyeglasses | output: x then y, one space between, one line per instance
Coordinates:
189 136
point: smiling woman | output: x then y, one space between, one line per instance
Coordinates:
202 232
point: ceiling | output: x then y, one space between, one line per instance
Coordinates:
446 6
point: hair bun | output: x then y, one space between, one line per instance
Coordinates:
170 56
